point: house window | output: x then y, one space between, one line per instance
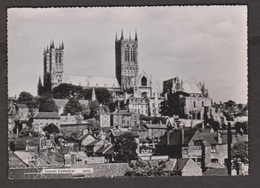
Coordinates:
213 149
199 160
197 144
185 151
214 160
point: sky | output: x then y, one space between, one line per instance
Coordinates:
196 43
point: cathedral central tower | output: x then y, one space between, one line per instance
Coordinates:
127 65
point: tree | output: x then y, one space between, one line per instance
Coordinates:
154 119
73 106
64 91
47 104
102 94
28 99
241 127
94 108
112 106
172 105
141 168
51 128
240 151
27 131
125 148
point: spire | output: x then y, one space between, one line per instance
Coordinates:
93 98
52 44
122 34
136 39
62 45
129 36
44 50
40 82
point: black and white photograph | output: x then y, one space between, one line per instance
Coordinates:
107 92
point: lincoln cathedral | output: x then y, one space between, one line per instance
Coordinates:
141 94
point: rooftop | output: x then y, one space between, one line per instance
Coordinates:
92 81
156 126
46 115
22 106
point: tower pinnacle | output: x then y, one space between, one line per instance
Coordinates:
136 39
122 34
93 98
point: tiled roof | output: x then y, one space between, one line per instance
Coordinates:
216 172
22 106
91 81
175 137
191 87
181 163
144 140
24 156
170 165
138 128
118 133
210 138
68 119
215 165
93 143
14 161
83 136
156 126
123 112
105 149
46 115
20 142
157 86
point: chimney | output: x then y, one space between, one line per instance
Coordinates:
219 136
73 158
67 159
68 114
36 159
52 137
85 131
239 168
167 137
103 136
182 136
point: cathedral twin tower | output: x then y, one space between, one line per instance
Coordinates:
126 60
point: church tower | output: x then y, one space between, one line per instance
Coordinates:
127 65
53 66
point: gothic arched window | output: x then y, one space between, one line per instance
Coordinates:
132 55
144 81
56 57
60 58
126 54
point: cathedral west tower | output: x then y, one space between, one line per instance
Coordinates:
127 65
53 66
